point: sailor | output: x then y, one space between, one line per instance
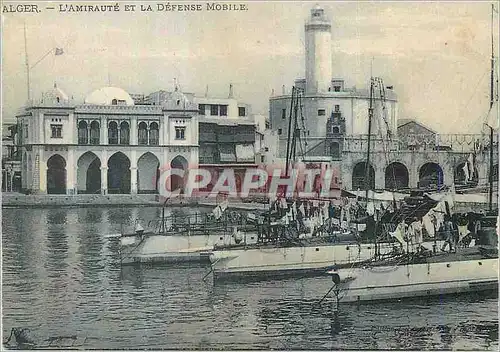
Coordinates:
448 233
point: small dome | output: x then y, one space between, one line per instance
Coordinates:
55 95
178 101
109 96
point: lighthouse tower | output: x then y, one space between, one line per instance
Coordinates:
318 47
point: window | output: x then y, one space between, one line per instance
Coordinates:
114 102
223 110
262 158
337 108
201 109
143 133
124 133
321 112
266 149
283 114
56 131
82 133
279 131
335 129
153 134
214 110
113 133
94 132
180 132
336 88
242 111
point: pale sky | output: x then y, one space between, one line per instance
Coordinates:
436 55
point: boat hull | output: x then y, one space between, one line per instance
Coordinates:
169 249
307 260
418 280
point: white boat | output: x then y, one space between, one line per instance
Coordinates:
314 255
173 248
308 259
190 238
415 280
470 269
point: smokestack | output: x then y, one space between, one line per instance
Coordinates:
283 89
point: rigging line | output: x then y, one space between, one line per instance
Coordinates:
380 83
302 144
464 107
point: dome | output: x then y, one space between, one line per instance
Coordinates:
178 101
109 96
55 95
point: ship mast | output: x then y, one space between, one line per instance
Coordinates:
367 164
289 136
492 100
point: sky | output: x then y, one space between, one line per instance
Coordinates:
435 54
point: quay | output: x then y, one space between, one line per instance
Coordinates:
463 202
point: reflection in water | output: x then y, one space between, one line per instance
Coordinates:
62 276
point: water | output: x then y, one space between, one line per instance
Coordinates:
61 276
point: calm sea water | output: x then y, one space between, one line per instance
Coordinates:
61 276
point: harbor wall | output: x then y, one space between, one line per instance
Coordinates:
87 200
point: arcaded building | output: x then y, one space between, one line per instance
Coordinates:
117 143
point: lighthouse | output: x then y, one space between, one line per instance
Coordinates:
318 49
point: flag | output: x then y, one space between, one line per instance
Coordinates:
470 162
466 172
59 51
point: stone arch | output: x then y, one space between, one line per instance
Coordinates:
459 175
56 175
430 174
88 174
396 176
119 174
359 176
148 171
177 182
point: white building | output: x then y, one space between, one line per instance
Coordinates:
330 110
110 144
